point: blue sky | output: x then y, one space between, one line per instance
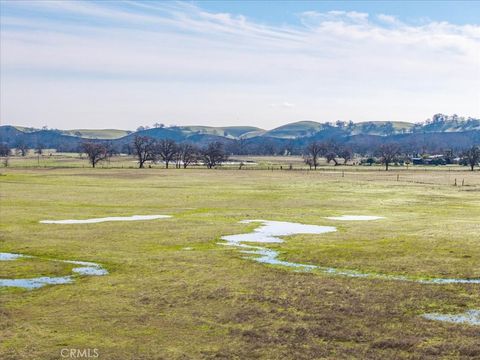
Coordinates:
71 64
456 12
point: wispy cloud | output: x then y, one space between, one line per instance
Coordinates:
313 19
158 57
284 104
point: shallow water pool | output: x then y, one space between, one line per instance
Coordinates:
85 269
106 219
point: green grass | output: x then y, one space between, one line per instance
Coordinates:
161 301
26 267
296 129
231 131
97 133
109 134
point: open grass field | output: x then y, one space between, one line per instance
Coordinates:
173 292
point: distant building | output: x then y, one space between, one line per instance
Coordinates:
430 160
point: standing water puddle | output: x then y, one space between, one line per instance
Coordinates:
105 219
471 317
10 256
271 231
85 268
268 233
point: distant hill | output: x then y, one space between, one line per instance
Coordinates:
107 134
381 127
13 137
229 131
294 130
433 134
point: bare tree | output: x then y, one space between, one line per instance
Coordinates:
329 150
472 156
308 160
214 154
166 149
331 156
312 154
188 154
111 148
144 149
346 154
39 152
388 153
5 150
22 148
95 151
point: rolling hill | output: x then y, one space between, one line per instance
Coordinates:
433 133
107 134
233 132
294 130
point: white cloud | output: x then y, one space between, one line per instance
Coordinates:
177 62
284 104
314 18
388 19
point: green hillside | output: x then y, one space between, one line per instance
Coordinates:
97 133
380 127
397 125
296 129
24 128
228 131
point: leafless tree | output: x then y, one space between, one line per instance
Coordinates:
308 160
95 151
166 149
39 152
22 148
472 156
346 154
329 150
214 154
188 154
312 153
388 153
331 156
111 149
144 149
5 150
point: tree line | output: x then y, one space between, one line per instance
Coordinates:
147 149
183 154
386 154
